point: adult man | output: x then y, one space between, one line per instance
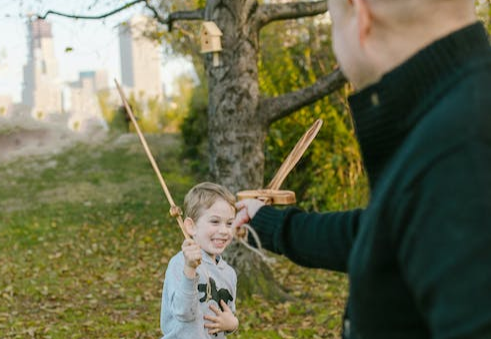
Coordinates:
419 255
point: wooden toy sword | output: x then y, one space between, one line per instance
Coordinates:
272 193
175 211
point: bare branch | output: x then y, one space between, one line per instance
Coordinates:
273 109
91 17
293 10
156 14
197 14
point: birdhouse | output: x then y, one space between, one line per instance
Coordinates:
211 40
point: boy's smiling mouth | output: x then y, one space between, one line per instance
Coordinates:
219 242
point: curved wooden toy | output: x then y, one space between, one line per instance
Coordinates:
270 197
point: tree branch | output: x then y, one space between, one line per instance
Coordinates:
273 109
293 10
197 14
91 17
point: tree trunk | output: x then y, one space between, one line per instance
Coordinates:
236 132
253 274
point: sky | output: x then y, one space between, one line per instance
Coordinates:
94 43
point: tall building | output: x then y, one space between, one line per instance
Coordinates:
41 89
84 102
83 93
140 58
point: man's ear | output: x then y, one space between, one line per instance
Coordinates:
189 226
364 19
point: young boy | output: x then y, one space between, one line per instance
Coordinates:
199 293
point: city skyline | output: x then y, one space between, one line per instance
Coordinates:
44 94
80 46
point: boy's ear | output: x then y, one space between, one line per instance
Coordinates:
189 226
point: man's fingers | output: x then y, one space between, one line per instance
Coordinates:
247 210
241 218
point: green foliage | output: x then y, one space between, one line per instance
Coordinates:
150 113
484 12
179 105
330 174
154 115
194 130
184 37
107 110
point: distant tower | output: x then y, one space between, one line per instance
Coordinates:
140 58
83 93
85 106
42 91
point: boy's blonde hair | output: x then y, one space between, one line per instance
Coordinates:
203 196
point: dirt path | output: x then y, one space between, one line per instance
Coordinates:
23 137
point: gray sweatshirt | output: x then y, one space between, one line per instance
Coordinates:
185 301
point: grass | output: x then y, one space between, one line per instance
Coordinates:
85 237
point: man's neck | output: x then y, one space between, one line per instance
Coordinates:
404 42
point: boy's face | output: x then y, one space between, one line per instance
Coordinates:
213 229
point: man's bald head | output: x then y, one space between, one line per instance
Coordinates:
373 36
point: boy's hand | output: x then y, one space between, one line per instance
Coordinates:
192 257
223 321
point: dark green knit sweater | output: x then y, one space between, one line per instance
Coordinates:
419 255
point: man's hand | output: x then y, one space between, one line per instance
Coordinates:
247 209
223 321
192 257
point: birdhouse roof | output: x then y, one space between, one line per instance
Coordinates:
211 28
